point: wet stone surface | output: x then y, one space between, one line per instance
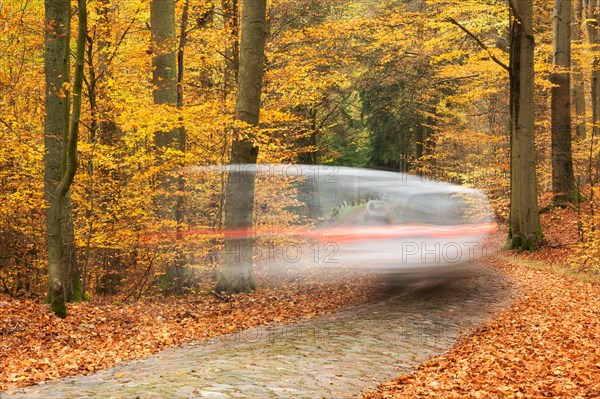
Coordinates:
332 357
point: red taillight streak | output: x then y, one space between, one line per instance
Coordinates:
339 234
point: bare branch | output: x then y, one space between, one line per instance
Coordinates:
479 42
13 131
119 42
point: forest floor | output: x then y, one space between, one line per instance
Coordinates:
36 346
333 356
546 345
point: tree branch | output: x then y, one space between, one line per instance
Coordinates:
119 42
479 42
13 131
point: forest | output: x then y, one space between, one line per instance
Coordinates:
106 105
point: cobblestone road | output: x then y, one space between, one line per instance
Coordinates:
333 357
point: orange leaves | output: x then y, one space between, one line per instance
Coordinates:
64 90
546 345
36 346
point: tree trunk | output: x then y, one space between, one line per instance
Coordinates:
594 40
179 211
419 137
563 179
56 128
578 80
164 79
232 51
164 63
307 145
237 275
61 143
525 229
107 127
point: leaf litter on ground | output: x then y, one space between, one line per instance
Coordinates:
546 345
36 346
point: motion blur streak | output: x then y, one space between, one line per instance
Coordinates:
349 217
339 234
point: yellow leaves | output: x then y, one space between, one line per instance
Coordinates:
21 150
450 56
165 338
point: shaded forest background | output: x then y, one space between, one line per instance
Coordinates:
393 85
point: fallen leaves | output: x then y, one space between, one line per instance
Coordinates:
546 345
36 346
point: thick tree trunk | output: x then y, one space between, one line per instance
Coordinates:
594 40
237 275
56 128
164 79
563 179
164 63
578 79
525 230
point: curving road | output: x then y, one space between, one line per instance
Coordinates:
333 357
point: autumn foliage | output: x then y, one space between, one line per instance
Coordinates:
415 86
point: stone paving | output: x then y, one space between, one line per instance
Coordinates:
334 357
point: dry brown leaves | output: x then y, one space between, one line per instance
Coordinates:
546 345
560 227
36 346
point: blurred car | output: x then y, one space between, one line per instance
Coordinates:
377 212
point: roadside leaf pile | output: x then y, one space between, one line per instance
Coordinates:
546 345
36 346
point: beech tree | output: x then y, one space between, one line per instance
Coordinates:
232 51
578 79
525 230
592 16
60 139
237 274
563 179
166 92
